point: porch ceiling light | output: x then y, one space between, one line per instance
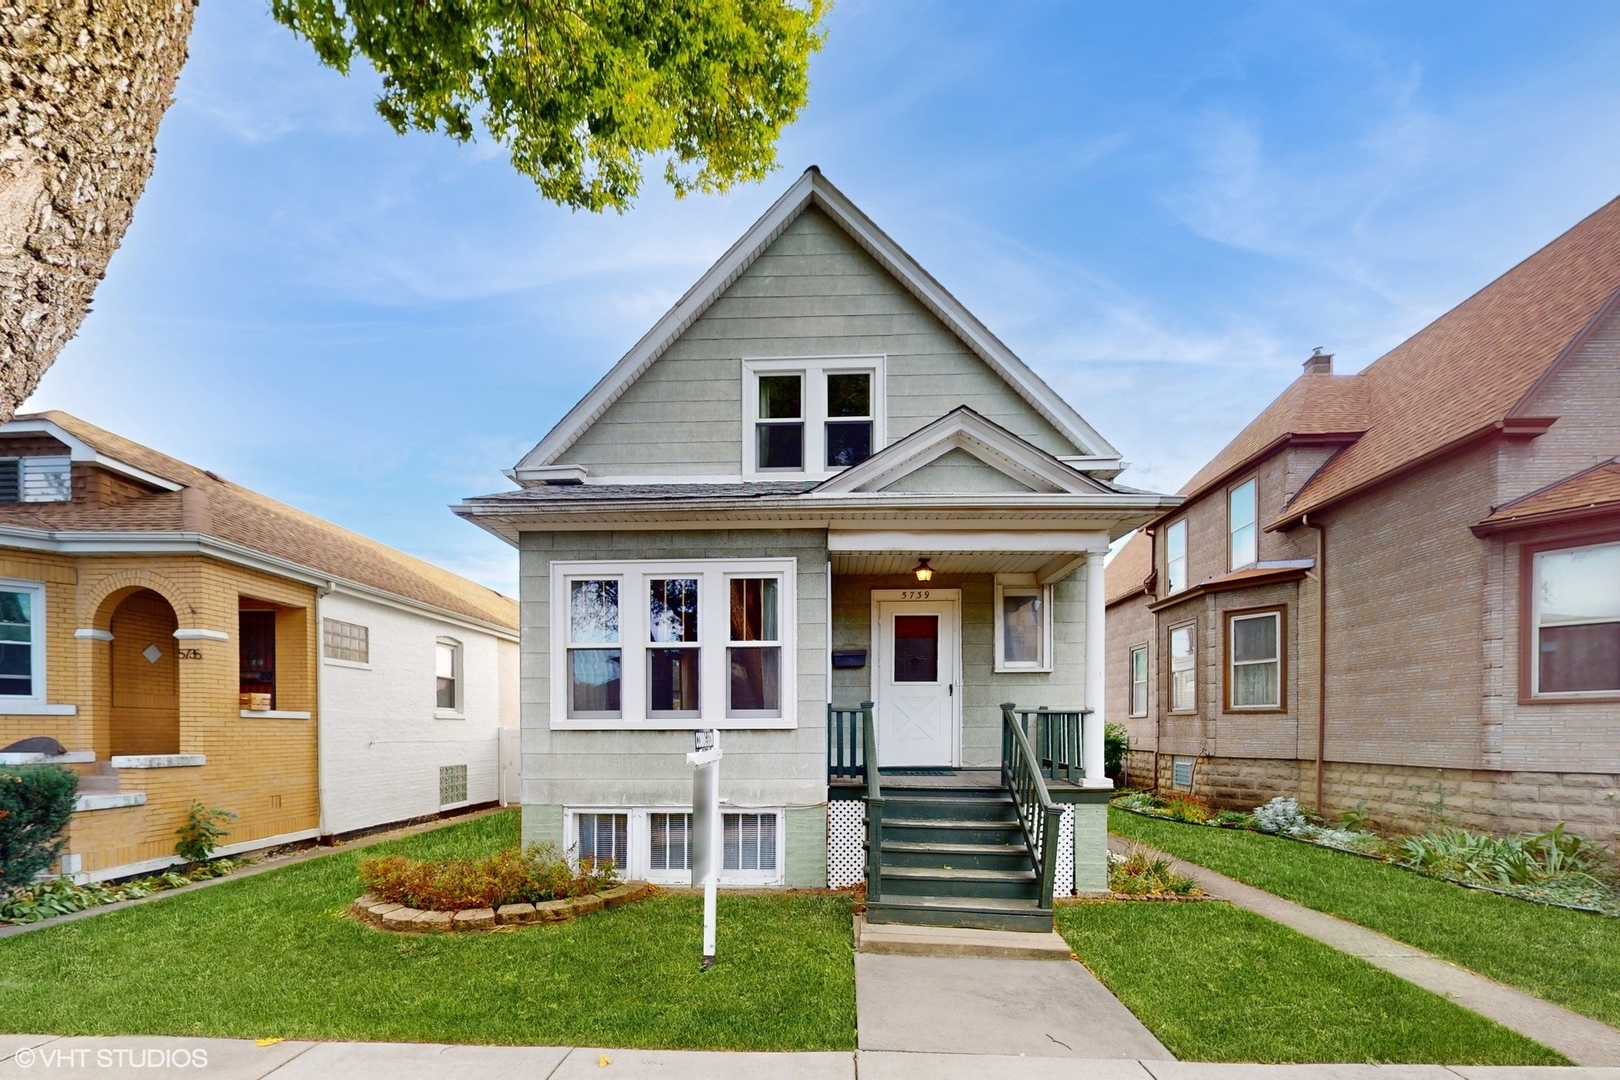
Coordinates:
923 571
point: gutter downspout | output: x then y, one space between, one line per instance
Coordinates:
322 780
1320 571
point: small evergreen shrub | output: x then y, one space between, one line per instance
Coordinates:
534 875
36 803
1116 744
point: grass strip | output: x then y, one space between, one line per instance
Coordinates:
274 955
1216 983
1568 957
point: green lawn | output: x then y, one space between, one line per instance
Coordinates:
274 955
1217 983
1569 957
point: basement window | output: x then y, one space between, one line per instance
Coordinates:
1181 773
452 785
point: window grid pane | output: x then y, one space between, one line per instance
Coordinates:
1578 620
749 842
604 840
593 612
16 644
445 663
1175 556
1256 661
1241 524
1139 677
1021 625
1183 673
671 841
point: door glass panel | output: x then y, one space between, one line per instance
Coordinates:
916 648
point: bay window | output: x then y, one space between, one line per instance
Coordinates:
1254 664
1575 620
1242 525
1183 669
1175 557
697 643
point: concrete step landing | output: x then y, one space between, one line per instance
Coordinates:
904 939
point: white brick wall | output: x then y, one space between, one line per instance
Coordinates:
381 744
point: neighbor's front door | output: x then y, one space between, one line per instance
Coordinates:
916 683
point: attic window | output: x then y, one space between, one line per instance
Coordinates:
780 430
811 417
36 479
849 418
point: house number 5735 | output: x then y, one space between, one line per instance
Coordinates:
189 654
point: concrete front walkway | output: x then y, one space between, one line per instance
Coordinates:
228 1059
1579 1038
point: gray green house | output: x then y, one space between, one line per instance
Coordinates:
818 482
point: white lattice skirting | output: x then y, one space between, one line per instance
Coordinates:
1063 885
846 832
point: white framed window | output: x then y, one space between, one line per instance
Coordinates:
1254 660
1242 525
1023 618
1183 668
1175 557
656 843
1574 621
447 677
22 642
345 641
36 479
675 645
811 417
1139 681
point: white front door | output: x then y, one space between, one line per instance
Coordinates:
915 674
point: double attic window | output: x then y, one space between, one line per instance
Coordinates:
811 417
36 479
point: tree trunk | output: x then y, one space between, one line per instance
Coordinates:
84 85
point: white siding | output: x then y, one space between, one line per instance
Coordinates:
381 745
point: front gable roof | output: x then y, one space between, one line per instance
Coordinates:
965 430
813 189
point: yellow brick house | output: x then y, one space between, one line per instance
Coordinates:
161 633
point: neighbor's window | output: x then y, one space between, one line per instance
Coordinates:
849 418
21 673
345 641
749 842
1577 620
447 675
1022 627
672 666
452 784
1175 557
1254 660
594 660
754 655
779 432
1242 525
604 840
1183 668
1139 681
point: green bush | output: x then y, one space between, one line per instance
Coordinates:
1116 743
1137 873
533 875
201 833
36 802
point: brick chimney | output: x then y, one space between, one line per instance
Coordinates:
1319 362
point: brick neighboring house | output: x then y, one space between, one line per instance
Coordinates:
1403 586
142 598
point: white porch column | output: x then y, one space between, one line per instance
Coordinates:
1091 733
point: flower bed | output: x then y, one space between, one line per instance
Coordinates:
63 896
1554 868
398 917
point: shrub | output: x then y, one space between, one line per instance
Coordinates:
1183 806
36 803
1136 873
533 875
1506 860
1233 819
1280 815
201 833
1116 743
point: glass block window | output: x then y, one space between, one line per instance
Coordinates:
604 840
671 841
17 642
749 842
345 641
452 784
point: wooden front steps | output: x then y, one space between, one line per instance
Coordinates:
955 856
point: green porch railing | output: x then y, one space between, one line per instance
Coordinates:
846 751
874 807
1056 738
1021 775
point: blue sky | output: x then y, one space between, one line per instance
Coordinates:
1161 207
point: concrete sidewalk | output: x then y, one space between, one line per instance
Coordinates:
228 1059
1579 1038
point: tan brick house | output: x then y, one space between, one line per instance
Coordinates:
142 600
1403 586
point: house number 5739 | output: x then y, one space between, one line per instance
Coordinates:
915 594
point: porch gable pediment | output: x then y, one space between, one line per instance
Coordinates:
961 452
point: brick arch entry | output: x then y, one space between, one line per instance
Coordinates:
97 604
145 675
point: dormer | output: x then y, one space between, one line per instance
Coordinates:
42 462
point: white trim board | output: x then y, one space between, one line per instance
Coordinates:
813 189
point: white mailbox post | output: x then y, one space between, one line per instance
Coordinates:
706 828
